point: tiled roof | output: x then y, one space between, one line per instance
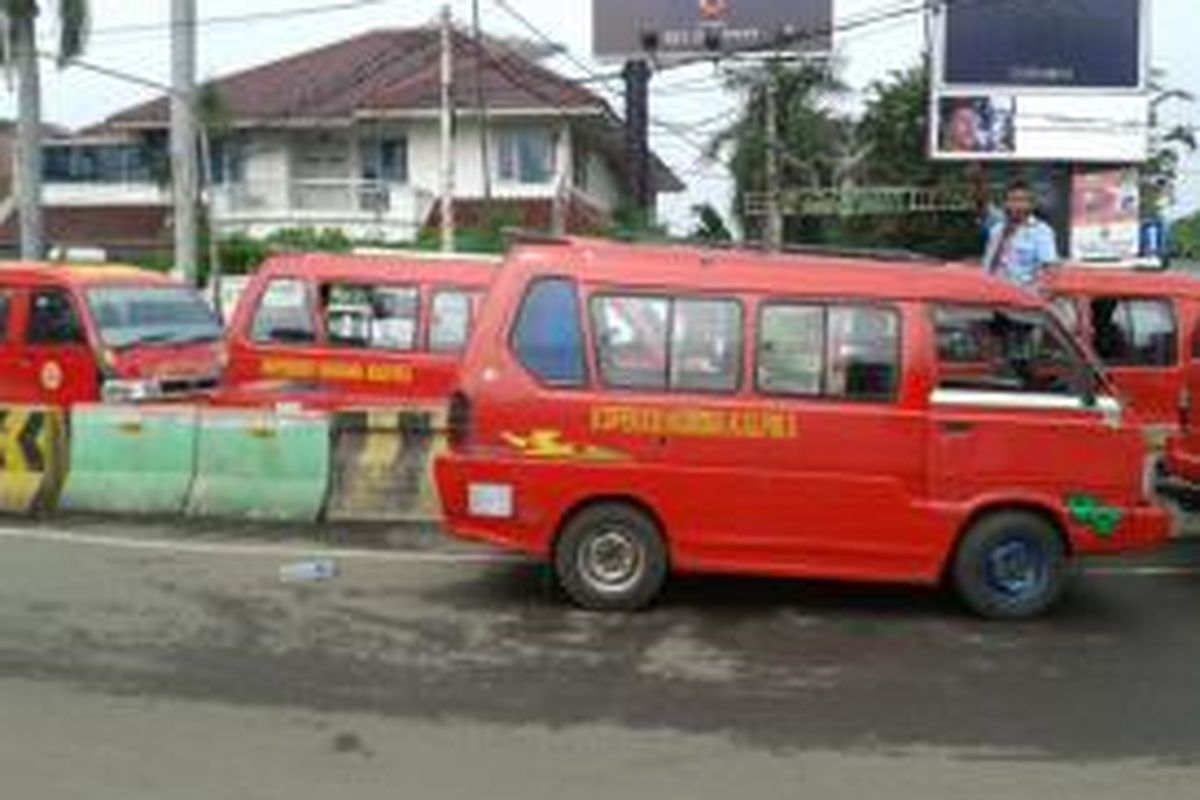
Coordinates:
99 226
379 72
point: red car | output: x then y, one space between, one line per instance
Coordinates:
90 333
338 331
626 412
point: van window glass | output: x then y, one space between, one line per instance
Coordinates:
791 349
284 314
706 345
1068 313
1005 350
126 316
5 306
548 337
450 320
1134 333
371 317
863 360
631 340
54 320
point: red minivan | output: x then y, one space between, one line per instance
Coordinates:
103 333
625 412
337 331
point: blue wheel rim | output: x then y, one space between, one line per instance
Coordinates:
1017 568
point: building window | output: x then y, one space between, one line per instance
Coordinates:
385 160
284 314
101 163
527 156
228 161
548 337
579 168
1134 333
371 317
1005 350
845 352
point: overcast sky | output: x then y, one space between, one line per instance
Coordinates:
687 98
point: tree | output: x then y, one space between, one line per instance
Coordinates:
1169 145
1185 238
812 135
22 54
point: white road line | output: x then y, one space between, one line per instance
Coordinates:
54 536
51 536
1144 572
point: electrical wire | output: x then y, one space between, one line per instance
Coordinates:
166 28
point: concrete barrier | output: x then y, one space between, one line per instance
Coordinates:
261 464
383 464
131 459
33 458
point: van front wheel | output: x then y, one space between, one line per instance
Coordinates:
611 557
1010 565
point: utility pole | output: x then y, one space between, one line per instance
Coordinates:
27 164
774 233
637 133
184 171
447 166
485 157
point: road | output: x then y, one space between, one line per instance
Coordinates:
144 661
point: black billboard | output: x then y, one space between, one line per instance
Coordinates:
1055 43
624 28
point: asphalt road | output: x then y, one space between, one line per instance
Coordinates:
153 662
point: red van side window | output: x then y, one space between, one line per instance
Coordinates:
1134 332
376 317
1002 350
842 351
5 305
681 344
548 336
284 314
54 320
451 313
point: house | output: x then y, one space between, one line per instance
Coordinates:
348 136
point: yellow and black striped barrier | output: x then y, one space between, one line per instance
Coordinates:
33 458
383 464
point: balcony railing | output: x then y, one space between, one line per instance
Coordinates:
316 196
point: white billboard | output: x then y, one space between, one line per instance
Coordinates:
623 29
1031 80
1008 126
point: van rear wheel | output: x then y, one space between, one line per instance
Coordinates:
611 557
1010 565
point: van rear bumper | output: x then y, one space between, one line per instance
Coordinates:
526 529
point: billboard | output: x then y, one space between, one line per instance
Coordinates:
1094 44
636 28
1036 80
1013 126
1105 214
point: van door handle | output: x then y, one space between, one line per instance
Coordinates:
957 427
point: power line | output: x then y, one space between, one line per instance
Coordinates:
233 19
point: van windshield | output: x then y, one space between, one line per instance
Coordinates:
128 316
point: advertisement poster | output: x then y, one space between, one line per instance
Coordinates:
1105 214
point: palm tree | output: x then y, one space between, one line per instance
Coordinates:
812 134
20 52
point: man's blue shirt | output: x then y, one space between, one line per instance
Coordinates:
1031 248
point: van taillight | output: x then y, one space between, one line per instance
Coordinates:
459 419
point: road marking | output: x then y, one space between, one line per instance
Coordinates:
45 535
1144 572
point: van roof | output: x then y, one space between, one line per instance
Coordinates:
1087 280
416 267
42 272
706 269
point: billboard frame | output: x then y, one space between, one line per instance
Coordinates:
767 52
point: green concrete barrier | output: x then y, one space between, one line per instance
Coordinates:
33 458
131 459
261 464
383 464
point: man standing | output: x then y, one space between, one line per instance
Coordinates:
1019 245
